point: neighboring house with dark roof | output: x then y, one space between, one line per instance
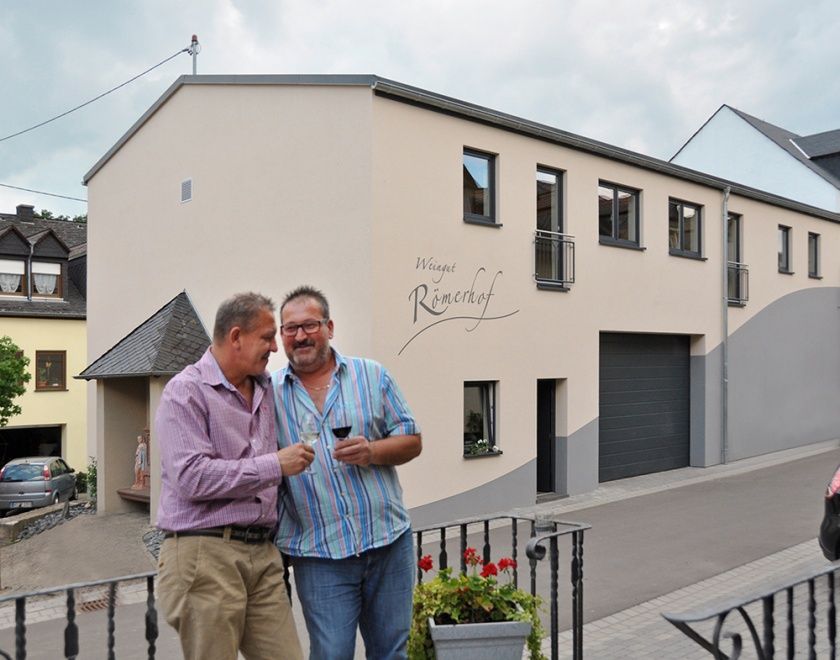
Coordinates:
43 266
739 147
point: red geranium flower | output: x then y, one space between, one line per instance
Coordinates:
489 569
471 557
506 562
425 563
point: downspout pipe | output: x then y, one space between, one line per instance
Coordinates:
724 396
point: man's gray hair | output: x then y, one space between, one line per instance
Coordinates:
240 310
307 291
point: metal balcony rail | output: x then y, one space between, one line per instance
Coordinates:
738 283
71 629
554 258
808 614
540 532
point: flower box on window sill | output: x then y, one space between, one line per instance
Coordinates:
481 453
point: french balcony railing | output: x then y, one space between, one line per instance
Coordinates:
450 542
738 283
793 619
86 597
554 259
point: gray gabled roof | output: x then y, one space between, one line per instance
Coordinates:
790 142
820 144
165 343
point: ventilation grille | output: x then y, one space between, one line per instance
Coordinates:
186 190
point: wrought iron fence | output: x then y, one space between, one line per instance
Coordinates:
738 283
540 533
107 601
807 616
554 258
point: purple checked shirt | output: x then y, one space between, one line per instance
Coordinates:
218 457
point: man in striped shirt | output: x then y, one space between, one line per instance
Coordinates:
343 523
220 576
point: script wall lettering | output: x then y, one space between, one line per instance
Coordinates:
453 293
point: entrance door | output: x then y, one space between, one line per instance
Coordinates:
546 437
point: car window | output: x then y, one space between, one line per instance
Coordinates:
55 468
23 472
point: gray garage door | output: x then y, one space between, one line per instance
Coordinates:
644 404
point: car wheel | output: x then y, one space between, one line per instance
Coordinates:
75 494
56 498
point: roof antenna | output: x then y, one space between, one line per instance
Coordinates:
194 50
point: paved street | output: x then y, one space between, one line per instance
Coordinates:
665 542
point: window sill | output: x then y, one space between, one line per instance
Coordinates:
785 272
51 389
484 222
547 285
486 454
687 255
815 277
736 303
627 245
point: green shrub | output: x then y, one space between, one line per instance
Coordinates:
91 478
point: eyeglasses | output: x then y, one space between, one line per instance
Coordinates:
309 327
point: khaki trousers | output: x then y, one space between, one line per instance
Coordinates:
224 597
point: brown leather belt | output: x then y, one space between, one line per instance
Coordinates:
234 533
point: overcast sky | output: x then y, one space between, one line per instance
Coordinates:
640 74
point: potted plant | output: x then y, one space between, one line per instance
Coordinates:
470 603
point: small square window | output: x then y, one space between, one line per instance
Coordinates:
12 277
813 255
480 418
46 279
618 214
50 370
684 229
479 187
784 250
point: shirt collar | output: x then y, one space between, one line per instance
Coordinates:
211 372
288 374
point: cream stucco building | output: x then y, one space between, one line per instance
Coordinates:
558 311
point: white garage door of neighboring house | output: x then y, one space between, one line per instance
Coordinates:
644 404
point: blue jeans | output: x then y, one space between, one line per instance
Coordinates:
372 591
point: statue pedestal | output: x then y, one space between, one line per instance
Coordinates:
135 494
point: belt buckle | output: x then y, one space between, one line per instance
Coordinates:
253 535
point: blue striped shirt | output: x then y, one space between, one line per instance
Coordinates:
339 510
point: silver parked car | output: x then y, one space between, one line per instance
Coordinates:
28 483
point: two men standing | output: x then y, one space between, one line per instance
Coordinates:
341 516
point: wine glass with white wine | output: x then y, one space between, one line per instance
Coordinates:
309 433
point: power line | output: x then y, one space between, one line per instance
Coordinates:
41 192
114 89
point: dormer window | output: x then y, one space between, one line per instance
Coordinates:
46 279
12 277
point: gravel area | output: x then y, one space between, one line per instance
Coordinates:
152 540
56 518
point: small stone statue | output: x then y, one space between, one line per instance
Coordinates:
141 461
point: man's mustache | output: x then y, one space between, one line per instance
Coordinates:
304 344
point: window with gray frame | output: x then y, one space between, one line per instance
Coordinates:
684 228
737 273
618 215
813 255
785 265
553 250
479 418
479 187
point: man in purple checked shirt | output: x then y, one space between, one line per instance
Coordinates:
220 574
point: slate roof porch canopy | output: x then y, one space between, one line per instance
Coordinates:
169 340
